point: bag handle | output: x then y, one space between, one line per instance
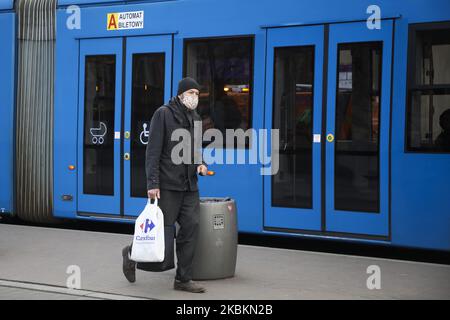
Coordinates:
150 201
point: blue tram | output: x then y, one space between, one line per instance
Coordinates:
359 92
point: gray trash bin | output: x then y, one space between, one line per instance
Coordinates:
216 251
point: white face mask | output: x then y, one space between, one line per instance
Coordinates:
190 101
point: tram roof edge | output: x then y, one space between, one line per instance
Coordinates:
103 2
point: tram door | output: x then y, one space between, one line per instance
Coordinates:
357 128
148 86
334 151
122 82
99 122
293 106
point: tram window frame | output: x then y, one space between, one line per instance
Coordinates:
90 187
138 73
250 37
414 87
345 46
277 51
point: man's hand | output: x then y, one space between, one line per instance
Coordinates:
153 193
202 169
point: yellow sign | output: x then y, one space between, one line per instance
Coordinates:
112 21
125 20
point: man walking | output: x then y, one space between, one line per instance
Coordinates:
175 185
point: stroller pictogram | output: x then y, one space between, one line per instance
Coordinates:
98 133
144 134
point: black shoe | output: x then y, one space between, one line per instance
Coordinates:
128 266
189 286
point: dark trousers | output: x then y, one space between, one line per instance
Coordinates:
182 207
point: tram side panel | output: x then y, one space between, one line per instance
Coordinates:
419 182
7 58
420 179
65 121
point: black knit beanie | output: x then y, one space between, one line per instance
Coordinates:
187 84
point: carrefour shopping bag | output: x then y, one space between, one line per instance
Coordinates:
148 241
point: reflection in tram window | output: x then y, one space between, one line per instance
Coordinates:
357 172
99 100
430 120
147 96
293 116
429 109
223 67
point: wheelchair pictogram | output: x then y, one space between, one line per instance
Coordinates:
98 133
144 134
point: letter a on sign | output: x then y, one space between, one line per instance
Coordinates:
112 21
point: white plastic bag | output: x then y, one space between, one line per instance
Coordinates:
148 241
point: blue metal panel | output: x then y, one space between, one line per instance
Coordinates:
6 4
7 81
239 14
65 132
296 218
420 181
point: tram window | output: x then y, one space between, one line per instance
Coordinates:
99 104
224 69
293 117
357 171
147 96
428 119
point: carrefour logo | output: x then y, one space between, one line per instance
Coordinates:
147 226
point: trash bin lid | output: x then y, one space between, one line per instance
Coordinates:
214 199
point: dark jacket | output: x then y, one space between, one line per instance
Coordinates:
161 172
